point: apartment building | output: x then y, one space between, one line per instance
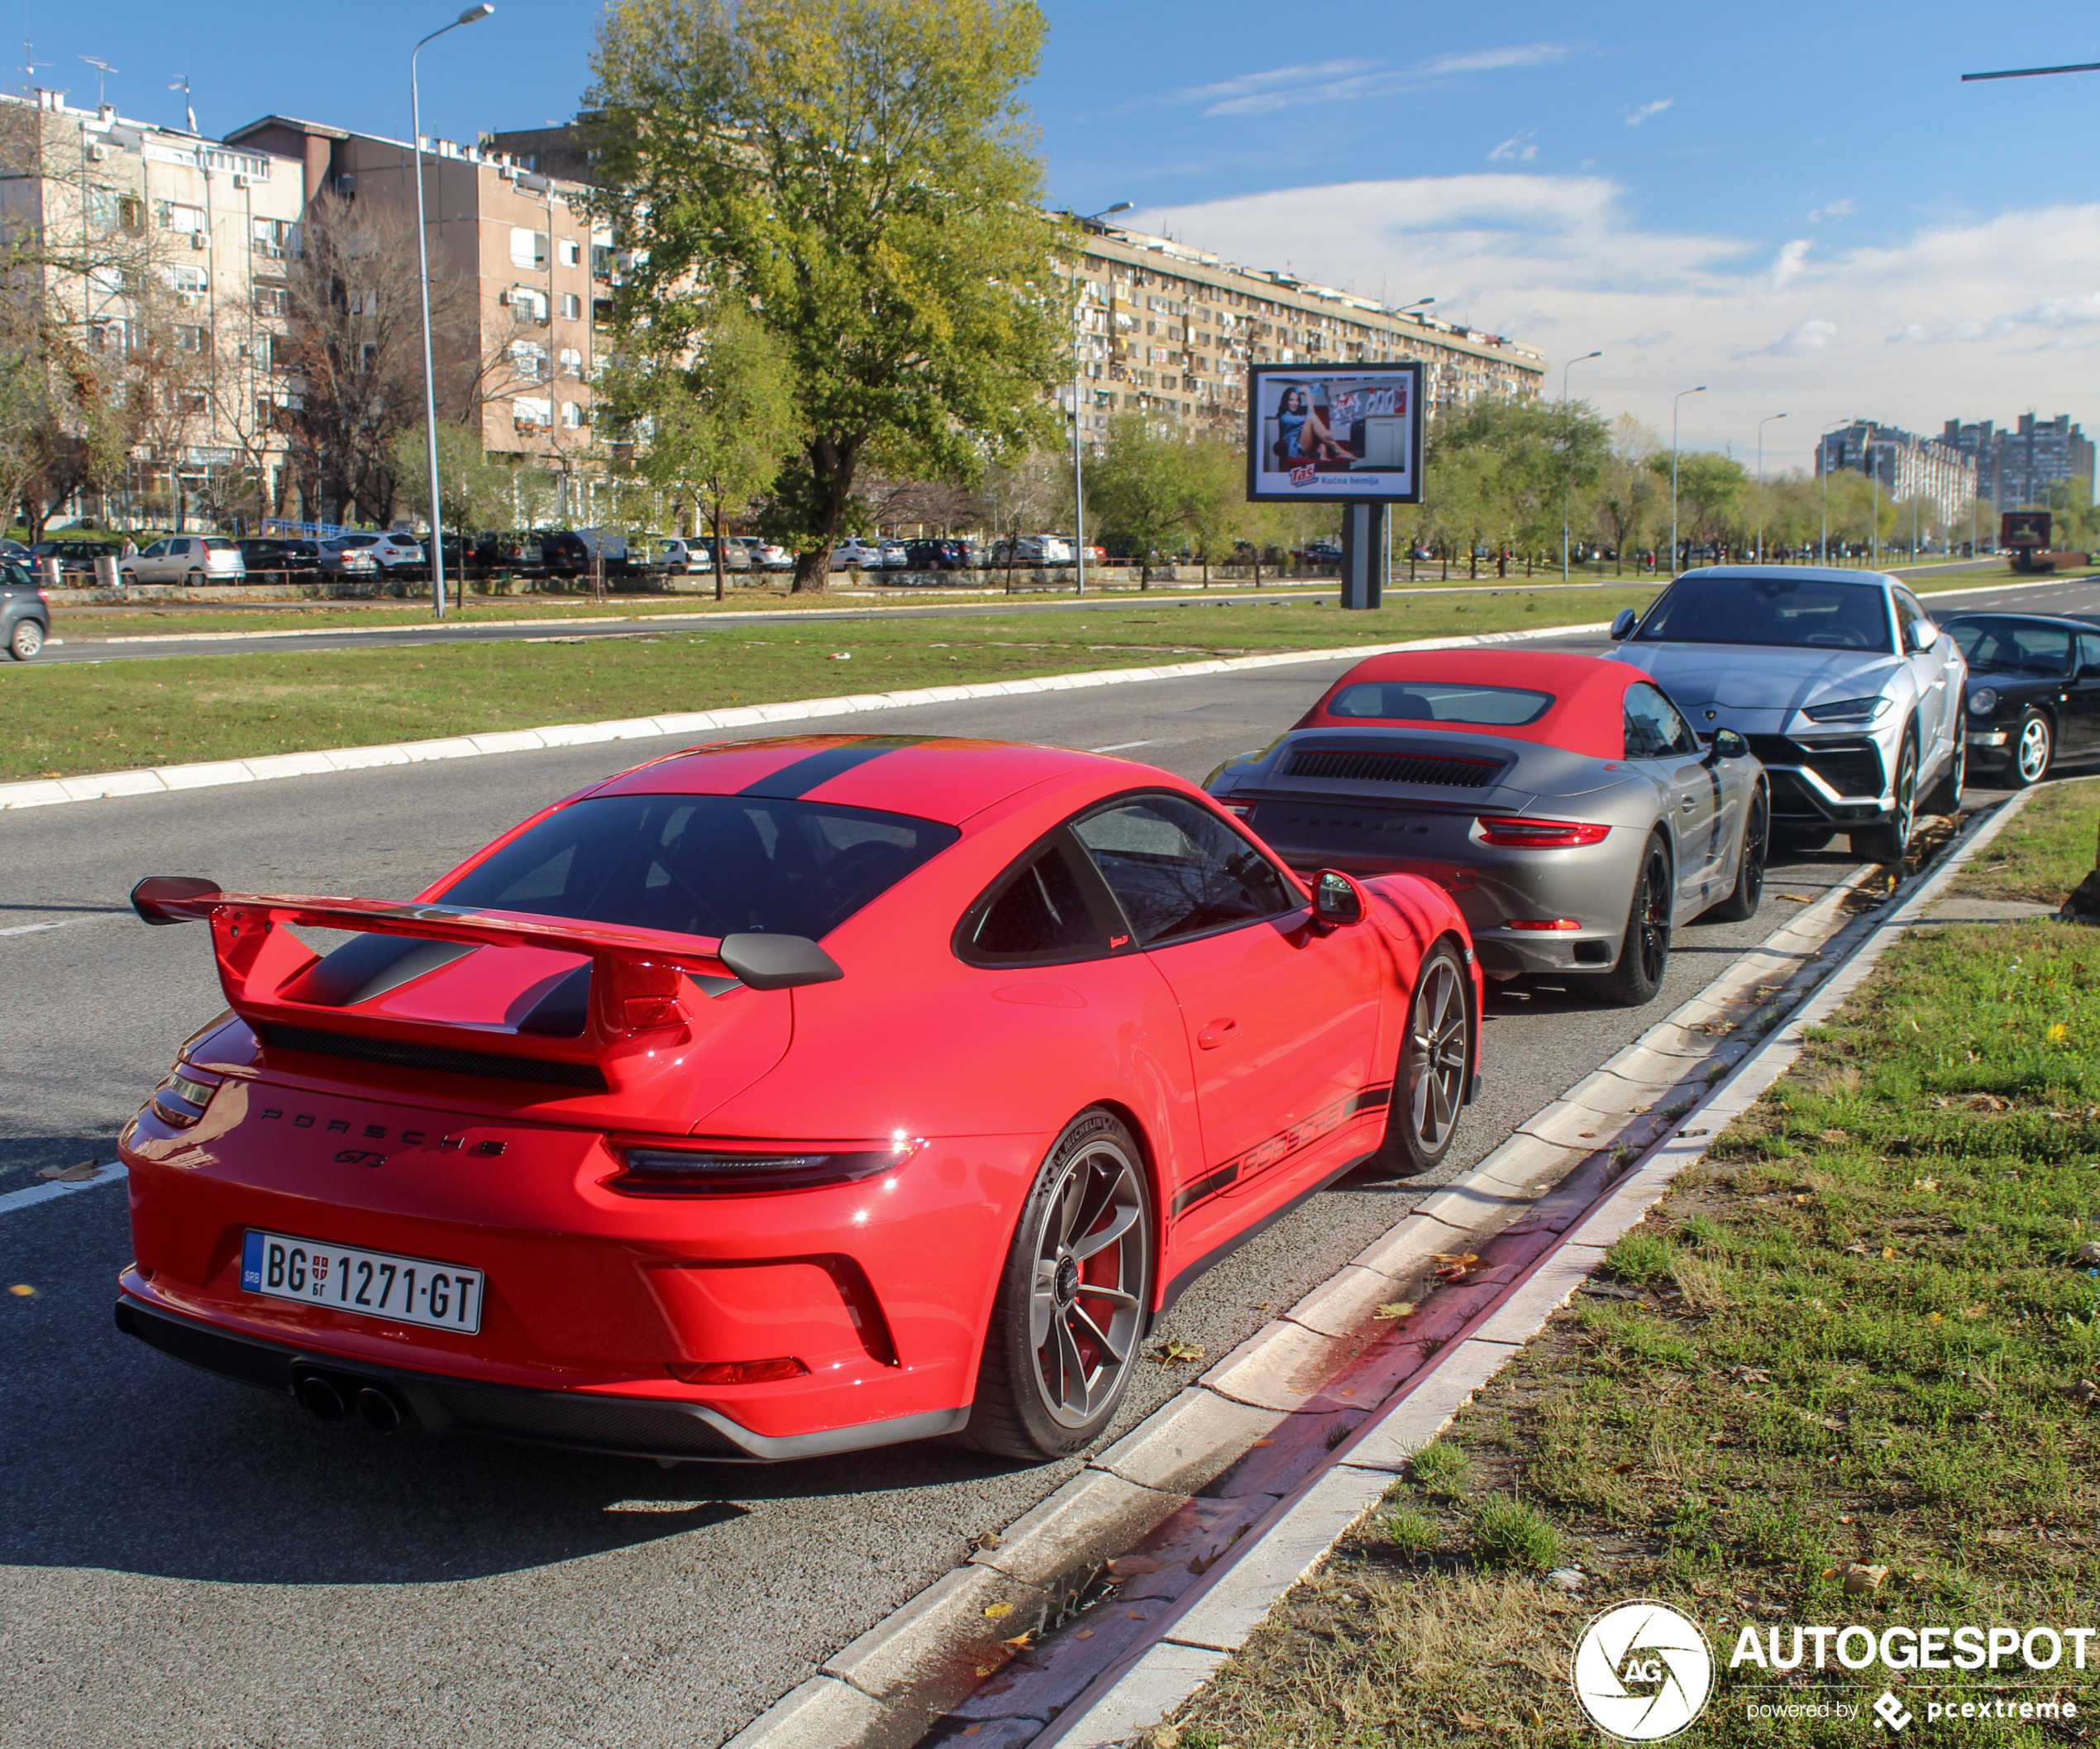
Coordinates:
2016 468
164 252
1170 330
1908 466
537 269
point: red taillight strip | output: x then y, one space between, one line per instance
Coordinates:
1543 923
1542 834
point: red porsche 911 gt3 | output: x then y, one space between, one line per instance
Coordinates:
781 1098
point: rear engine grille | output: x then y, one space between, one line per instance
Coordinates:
399 1054
1850 768
1431 768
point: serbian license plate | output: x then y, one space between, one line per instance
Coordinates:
375 1284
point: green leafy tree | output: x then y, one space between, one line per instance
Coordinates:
860 171
716 427
1710 490
474 492
1213 471
1544 452
1136 485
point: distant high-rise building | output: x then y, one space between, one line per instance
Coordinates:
1907 465
2016 468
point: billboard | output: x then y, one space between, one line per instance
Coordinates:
1342 435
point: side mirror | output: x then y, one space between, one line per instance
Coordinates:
1727 744
778 962
1921 635
1337 899
1623 624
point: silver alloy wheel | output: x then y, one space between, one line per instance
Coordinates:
1904 821
1436 1043
26 640
1084 1318
2033 749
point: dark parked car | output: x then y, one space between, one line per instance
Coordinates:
555 552
258 553
939 555
74 555
25 611
2034 691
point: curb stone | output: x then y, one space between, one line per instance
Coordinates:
1283 1374
160 780
1220 1619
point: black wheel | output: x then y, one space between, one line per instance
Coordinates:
2033 749
1748 892
193 578
1644 954
26 640
1430 1079
1073 1300
1945 795
1890 842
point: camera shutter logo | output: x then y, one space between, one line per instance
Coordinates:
1642 1671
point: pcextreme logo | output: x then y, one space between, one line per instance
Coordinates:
1642 1671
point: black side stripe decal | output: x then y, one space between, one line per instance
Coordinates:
797 780
1283 1144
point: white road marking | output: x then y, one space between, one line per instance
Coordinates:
109 1174
32 929
1122 746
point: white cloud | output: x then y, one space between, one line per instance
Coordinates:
1635 118
1343 81
1517 149
1788 265
1493 60
1975 318
1830 209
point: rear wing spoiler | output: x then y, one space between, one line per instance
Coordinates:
635 973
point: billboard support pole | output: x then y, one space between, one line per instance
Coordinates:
1363 551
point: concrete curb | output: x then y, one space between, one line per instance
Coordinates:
1284 1369
1219 1620
166 779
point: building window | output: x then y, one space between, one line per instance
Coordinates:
528 361
572 254
130 213
530 413
193 281
273 300
572 362
528 304
527 248
368 355
189 338
193 400
175 216
572 306
572 415
270 238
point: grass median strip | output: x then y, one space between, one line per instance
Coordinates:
66 719
1842 1374
2051 849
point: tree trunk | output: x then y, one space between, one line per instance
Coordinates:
716 521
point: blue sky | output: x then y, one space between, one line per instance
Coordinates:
1798 205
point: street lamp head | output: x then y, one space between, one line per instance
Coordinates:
1121 206
475 14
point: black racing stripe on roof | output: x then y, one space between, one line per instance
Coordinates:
793 781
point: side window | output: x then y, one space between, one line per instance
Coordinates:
2089 655
1177 870
1039 914
1654 729
1908 613
159 549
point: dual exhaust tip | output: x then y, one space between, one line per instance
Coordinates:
335 1397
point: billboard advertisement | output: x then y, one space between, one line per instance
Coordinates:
1348 435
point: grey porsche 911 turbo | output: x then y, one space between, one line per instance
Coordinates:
1563 800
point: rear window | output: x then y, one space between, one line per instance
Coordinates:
703 865
214 543
1440 701
1786 612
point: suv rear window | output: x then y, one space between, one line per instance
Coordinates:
703 865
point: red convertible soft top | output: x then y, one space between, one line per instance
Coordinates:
1588 715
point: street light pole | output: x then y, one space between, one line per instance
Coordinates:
1564 369
1078 481
472 15
1761 424
1701 389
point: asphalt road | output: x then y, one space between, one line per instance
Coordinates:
187 1562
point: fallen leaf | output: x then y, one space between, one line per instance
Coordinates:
1984 1102
1620 1469
84 1173
1469 1722
1265 1442
987 1539
1888 1252
1463 1259
1924 1184
1018 1641
1932 1317
1084 1633
1397 1309
2089 1252
1860 1576
2057 1032
1131 1566
23 1291
1833 1137
1174 1350
1972 1311
1805 1195
1855 1250
2083 1392
1750 1375
993 1612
